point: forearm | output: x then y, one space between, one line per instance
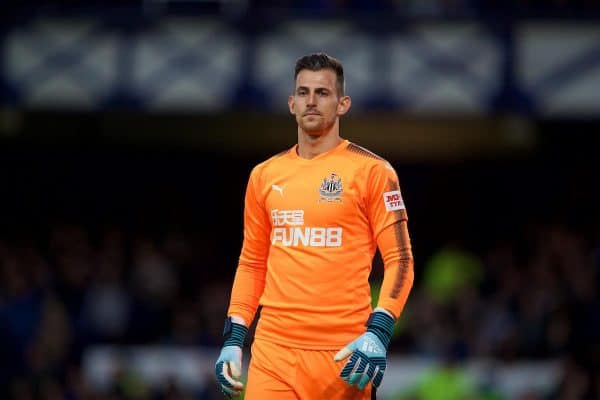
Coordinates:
395 248
248 286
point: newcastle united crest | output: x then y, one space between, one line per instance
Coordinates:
331 189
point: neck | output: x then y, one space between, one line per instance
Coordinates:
310 146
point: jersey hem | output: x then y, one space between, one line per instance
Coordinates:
302 346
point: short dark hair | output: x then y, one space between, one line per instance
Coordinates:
319 61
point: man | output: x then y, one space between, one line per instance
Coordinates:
313 218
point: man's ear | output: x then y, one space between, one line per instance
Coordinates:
291 105
344 105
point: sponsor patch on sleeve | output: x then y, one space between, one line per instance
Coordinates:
393 200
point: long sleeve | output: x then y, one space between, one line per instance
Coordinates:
395 248
388 217
249 279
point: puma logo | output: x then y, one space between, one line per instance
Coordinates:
278 188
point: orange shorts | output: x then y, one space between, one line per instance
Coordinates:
282 373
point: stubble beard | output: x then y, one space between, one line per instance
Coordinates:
317 129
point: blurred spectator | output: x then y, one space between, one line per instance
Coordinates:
106 308
153 274
446 381
576 382
449 271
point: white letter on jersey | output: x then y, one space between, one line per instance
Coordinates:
317 237
287 217
313 237
334 237
300 235
278 235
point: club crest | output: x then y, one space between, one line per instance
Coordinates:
331 189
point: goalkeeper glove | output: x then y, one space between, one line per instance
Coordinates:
367 353
228 367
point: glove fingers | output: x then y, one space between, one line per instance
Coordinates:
378 377
231 376
235 367
358 371
228 384
222 375
361 369
228 392
367 375
367 361
349 367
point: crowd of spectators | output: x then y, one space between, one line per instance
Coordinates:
533 297
73 290
103 247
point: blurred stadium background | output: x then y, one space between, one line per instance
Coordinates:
128 130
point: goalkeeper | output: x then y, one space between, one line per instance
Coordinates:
314 215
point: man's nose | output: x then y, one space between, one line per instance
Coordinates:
312 98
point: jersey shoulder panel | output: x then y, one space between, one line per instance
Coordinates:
260 167
364 156
362 152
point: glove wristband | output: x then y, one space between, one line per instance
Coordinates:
234 334
381 325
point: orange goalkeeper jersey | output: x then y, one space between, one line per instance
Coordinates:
310 234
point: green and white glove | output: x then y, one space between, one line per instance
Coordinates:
228 367
367 353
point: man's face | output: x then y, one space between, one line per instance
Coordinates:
315 101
